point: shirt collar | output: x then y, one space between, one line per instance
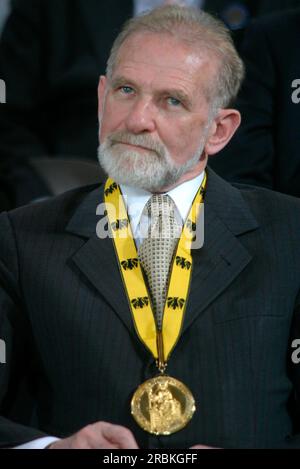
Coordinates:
183 196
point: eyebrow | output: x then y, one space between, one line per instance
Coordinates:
178 94
119 81
172 92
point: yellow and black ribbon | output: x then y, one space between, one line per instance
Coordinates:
132 275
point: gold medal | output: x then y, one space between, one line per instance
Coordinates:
162 405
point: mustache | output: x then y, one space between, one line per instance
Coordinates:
144 141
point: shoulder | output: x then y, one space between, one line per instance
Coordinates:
52 214
268 205
239 202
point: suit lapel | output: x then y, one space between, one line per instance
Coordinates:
96 259
222 256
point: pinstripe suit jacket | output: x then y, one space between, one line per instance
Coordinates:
71 344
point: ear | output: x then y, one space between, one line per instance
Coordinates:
101 95
222 129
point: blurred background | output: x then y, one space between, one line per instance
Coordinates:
52 53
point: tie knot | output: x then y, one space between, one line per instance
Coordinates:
162 221
160 205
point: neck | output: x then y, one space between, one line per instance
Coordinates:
184 178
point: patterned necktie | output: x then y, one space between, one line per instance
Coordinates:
156 250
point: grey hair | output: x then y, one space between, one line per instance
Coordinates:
197 28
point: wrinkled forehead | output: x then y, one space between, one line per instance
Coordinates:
163 53
163 46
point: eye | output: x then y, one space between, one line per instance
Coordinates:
173 101
126 89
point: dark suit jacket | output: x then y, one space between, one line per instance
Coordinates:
67 325
266 148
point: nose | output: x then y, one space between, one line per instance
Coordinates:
141 117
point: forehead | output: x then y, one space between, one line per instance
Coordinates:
160 58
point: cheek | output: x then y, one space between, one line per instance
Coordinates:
182 138
111 121
184 142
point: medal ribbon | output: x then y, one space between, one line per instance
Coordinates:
137 293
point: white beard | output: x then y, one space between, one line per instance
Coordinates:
150 170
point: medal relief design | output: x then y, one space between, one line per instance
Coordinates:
162 405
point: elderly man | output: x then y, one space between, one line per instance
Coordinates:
131 332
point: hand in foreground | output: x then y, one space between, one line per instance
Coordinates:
98 435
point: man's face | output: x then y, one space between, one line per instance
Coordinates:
154 112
